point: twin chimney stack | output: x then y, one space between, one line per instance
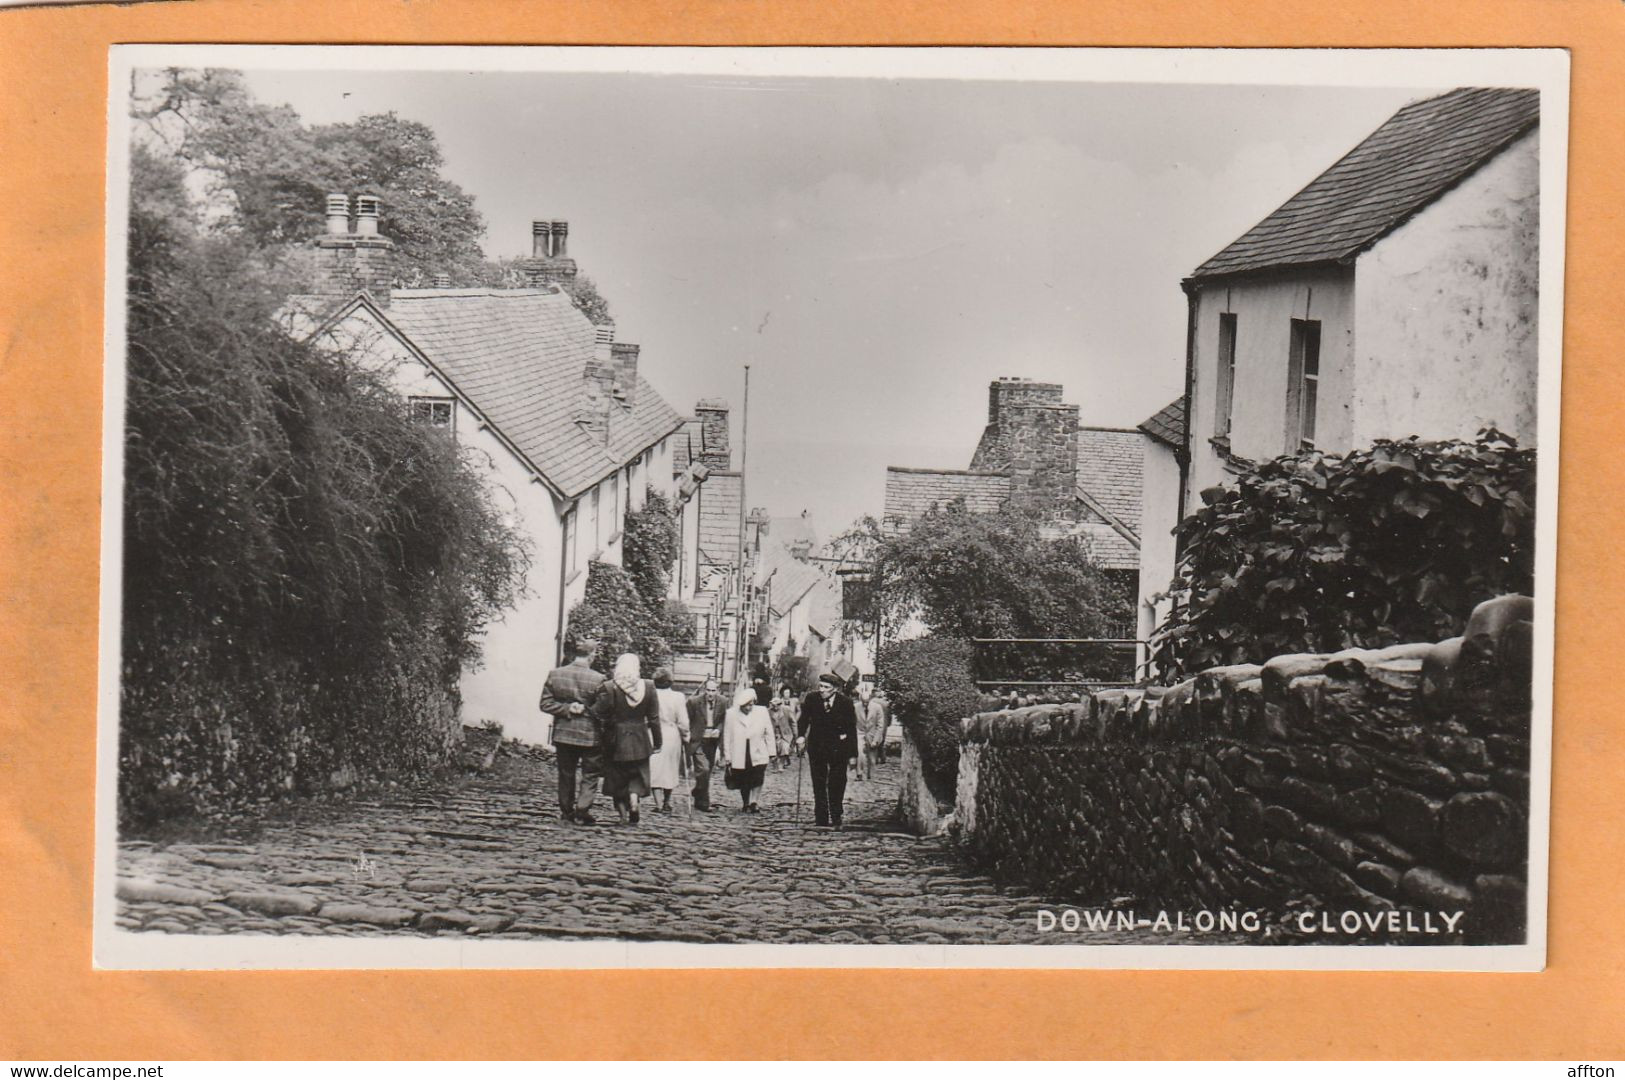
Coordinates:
355 260
549 261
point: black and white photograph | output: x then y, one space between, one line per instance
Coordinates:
673 507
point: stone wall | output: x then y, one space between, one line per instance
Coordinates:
922 812
1390 781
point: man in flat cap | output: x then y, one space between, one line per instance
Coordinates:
566 697
828 728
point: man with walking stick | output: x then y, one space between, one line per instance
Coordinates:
828 728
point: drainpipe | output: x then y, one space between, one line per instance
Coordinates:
1184 459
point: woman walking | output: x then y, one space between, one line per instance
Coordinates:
629 714
784 711
747 747
664 766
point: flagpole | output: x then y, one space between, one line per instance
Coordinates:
742 645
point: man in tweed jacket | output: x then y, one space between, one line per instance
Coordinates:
566 695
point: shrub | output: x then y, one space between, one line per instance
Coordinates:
306 571
1319 552
928 683
624 623
650 544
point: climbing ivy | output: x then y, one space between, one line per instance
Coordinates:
1318 552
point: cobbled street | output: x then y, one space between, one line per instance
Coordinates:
490 857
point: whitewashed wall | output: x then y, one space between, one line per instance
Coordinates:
1446 308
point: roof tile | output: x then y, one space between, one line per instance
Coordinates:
520 355
1423 150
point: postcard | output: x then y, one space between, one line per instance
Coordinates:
807 507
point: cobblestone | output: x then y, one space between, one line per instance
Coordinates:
491 858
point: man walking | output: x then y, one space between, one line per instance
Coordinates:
706 711
828 728
566 695
871 731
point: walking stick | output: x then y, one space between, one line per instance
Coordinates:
800 760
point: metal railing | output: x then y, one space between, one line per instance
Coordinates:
1113 663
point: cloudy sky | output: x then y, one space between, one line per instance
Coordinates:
877 250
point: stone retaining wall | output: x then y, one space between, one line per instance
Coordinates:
1394 780
922 812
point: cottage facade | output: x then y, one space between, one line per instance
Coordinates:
568 431
1394 295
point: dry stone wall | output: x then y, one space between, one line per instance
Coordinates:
1387 781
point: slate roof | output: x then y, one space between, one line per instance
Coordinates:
520 355
719 519
1421 152
1167 424
910 493
824 606
683 445
1111 472
787 578
1109 548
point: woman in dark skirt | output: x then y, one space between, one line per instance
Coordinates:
747 747
628 713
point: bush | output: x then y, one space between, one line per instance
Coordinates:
615 609
928 683
306 570
650 544
1320 552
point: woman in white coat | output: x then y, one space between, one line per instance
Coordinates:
663 766
747 747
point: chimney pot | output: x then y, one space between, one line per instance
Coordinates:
561 232
540 244
338 214
366 215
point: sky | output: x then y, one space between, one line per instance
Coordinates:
877 250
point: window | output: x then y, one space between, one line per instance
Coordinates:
436 411
1226 387
611 523
592 522
571 519
1302 384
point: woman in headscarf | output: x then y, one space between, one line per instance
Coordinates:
747 747
664 765
629 714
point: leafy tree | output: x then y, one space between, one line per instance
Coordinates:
985 575
1319 552
266 173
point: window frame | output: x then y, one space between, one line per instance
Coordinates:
415 401
572 542
1303 385
1225 381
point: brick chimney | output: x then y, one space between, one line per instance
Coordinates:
712 413
348 262
1032 437
549 262
597 399
624 359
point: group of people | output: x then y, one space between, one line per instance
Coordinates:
634 736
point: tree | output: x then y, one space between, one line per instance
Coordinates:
265 174
985 575
1319 552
